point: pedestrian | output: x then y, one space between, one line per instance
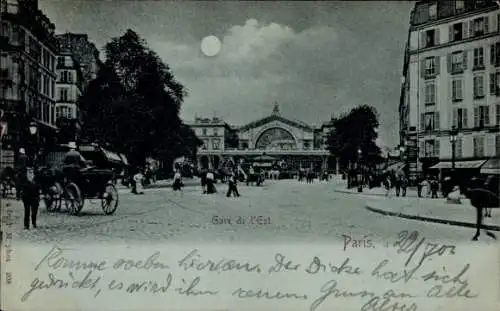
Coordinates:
211 183
404 184
30 195
434 188
137 185
419 187
232 186
425 187
203 178
20 172
177 186
397 185
387 185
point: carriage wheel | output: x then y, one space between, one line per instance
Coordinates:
109 200
53 199
73 198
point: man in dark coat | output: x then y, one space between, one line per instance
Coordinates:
73 161
30 192
21 165
203 179
73 157
232 186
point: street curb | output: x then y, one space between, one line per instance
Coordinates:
431 219
371 194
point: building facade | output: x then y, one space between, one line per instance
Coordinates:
27 72
451 82
69 86
293 144
84 53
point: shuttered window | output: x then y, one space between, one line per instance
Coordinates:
478 143
456 86
495 54
458 148
495 83
490 145
430 93
459 118
497 117
478 58
478 86
481 116
497 144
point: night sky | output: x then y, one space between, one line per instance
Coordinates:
315 59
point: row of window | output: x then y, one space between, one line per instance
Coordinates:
431 147
47 86
65 76
429 11
457 89
65 95
457 62
430 121
215 144
215 132
65 112
459 31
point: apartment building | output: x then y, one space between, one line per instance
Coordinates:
27 59
451 84
27 73
84 53
69 86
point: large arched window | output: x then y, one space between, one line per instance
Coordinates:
276 138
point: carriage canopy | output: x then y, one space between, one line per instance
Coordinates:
492 166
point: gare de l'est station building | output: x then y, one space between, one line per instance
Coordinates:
272 140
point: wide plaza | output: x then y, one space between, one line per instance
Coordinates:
282 211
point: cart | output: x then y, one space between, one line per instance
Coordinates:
71 186
91 183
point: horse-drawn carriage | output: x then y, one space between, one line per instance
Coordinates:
69 186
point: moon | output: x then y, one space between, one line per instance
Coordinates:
210 45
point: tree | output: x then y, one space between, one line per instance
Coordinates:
134 104
352 131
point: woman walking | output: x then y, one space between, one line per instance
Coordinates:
177 186
211 183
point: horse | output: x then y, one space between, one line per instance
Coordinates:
483 196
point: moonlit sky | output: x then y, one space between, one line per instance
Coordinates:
315 59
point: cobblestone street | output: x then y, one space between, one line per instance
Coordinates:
281 211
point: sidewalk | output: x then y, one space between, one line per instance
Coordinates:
433 210
378 191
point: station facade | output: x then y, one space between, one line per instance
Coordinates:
272 140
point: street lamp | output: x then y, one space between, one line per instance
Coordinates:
402 150
360 181
453 140
33 128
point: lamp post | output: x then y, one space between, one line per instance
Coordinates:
33 128
402 150
453 140
360 177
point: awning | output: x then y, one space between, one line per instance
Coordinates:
263 164
459 164
264 158
124 158
396 166
86 148
492 166
111 156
